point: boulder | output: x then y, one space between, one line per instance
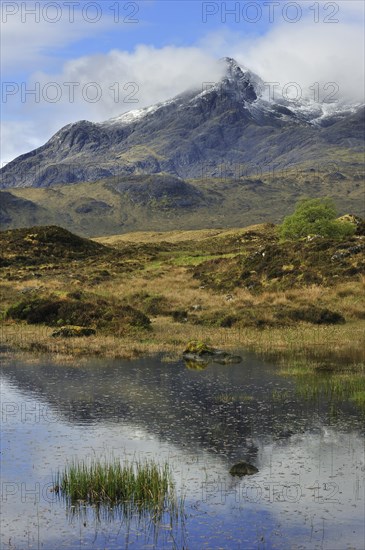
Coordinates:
202 353
243 469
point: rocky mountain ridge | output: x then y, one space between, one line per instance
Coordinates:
229 129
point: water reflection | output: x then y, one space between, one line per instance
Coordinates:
307 493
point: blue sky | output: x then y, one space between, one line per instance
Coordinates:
150 50
116 24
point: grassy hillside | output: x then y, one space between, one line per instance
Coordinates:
162 203
153 292
44 245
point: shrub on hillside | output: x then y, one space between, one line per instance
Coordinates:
315 217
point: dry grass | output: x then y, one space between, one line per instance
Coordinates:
38 339
338 344
175 236
165 277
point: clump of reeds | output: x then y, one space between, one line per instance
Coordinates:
139 487
312 382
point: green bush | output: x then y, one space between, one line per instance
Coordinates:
315 217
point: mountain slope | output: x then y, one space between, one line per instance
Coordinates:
162 202
227 129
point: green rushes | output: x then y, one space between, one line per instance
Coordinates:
142 487
335 385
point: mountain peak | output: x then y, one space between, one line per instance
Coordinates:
237 84
231 66
239 80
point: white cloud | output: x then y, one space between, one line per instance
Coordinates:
18 137
347 9
307 54
304 52
141 78
31 40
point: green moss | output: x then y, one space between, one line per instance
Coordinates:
197 347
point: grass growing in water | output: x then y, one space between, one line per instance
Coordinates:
142 488
335 384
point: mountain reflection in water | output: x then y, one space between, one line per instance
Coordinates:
202 422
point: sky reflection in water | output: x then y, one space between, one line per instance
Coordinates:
308 493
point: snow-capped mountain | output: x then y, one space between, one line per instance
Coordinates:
259 97
235 122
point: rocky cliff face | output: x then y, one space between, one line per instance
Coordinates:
227 128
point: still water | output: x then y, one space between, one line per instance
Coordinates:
307 494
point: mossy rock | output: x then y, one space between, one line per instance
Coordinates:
356 221
73 331
199 348
198 351
243 469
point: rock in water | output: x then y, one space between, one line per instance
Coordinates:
243 469
200 352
